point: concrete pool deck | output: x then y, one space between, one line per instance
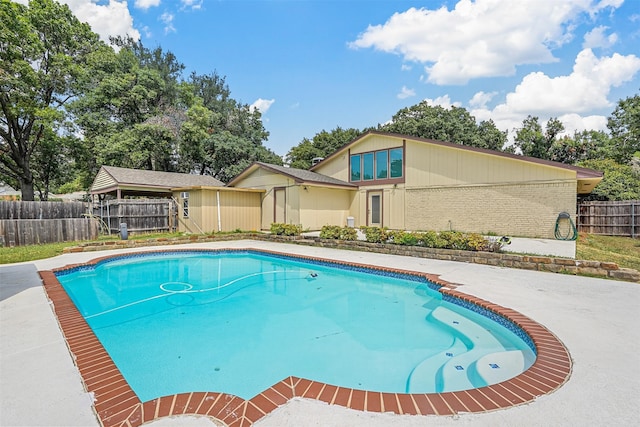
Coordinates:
596 319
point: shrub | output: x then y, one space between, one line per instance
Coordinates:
281 229
337 232
431 239
406 238
375 234
330 232
454 240
348 233
476 242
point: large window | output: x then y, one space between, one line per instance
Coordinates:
382 169
395 160
367 166
379 165
356 167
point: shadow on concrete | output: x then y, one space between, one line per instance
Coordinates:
17 278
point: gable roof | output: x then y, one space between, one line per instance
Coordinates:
110 178
582 173
300 176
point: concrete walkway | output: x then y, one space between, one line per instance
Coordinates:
597 320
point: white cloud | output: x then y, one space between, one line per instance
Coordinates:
167 20
585 89
574 122
191 4
406 67
479 39
405 92
596 38
480 99
443 101
109 19
146 4
147 31
262 104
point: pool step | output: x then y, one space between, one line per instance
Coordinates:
455 369
494 368
423 377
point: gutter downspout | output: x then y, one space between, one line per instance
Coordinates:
219 219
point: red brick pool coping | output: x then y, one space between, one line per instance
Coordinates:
117 405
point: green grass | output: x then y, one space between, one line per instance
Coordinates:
33 252
624 251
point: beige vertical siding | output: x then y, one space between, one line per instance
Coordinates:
238 210
375 143
393 206
324 206
267 180
192 224
337 168
430 165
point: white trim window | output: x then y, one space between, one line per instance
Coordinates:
185 204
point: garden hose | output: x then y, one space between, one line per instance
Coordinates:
572 234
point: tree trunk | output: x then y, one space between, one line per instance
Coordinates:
26 186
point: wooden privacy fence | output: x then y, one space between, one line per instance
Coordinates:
140 215
27 223
610 218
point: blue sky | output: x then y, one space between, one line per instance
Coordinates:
314 65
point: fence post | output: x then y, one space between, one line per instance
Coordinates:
633 220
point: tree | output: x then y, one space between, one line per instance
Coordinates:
533 141
126 105
584 145
43 58
220 145
620 182
323 144
455 125
624 125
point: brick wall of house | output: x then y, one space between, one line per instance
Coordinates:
522 209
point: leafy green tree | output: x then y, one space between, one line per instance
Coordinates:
322 145
624 125
126 107
584 145
454 124
43 65
222 145
620 181
50 162
533 141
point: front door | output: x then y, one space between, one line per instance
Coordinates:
374 209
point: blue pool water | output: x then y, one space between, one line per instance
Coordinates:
239 322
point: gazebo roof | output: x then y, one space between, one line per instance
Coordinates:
138 182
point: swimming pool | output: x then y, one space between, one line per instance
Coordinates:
240 321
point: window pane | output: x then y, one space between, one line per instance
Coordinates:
355 167
375 209
367 166
395 157
381 165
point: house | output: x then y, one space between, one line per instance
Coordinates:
410 183
297 196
